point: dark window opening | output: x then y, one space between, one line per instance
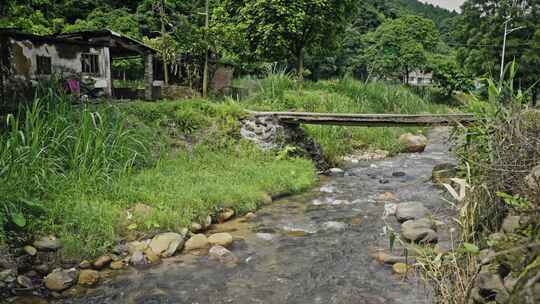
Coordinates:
44 66
90 63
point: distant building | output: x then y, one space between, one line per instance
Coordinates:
420 78
79 57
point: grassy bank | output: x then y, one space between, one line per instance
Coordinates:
279 92
76 171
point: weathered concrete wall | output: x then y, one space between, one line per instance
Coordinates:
65 61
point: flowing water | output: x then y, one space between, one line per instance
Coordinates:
310 248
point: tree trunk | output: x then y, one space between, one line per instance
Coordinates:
407 76
300 64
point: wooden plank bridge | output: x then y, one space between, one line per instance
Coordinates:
369 120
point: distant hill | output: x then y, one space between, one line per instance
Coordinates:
439 15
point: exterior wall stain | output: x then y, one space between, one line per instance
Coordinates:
67 51
22 64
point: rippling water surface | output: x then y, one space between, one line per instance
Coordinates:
310 248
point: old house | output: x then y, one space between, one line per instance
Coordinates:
80 58
420 78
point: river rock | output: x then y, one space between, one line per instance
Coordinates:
334 225
137 258
134 246
386 258
225 215
411 211
151 256
533 179
390 209
221 254
42 269
197 242
250 216
48 243
102 261
25 282
400 268
399 174
61 279
222 239
266 199
511 223
510 282
491 286
386 197
419 231
207 222
30 250
117 265
88 277
442 173
328 189
196 227
413 143
166 244
264 236
85 264
336 172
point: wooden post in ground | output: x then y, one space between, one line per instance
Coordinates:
148 76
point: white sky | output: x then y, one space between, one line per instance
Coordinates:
449 4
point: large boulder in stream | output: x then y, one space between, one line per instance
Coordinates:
88 277
419 231
221 254
411 211
197 242
222 239
413 143
167 244
61 279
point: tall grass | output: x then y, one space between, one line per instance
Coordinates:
74 171
50 147
280 92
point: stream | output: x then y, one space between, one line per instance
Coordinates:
306 249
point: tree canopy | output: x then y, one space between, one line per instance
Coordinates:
400 46
283 29
481 36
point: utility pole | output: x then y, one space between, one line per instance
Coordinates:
163 58
205 73
506 33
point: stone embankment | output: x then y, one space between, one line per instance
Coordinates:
38 269
269 133
509 270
